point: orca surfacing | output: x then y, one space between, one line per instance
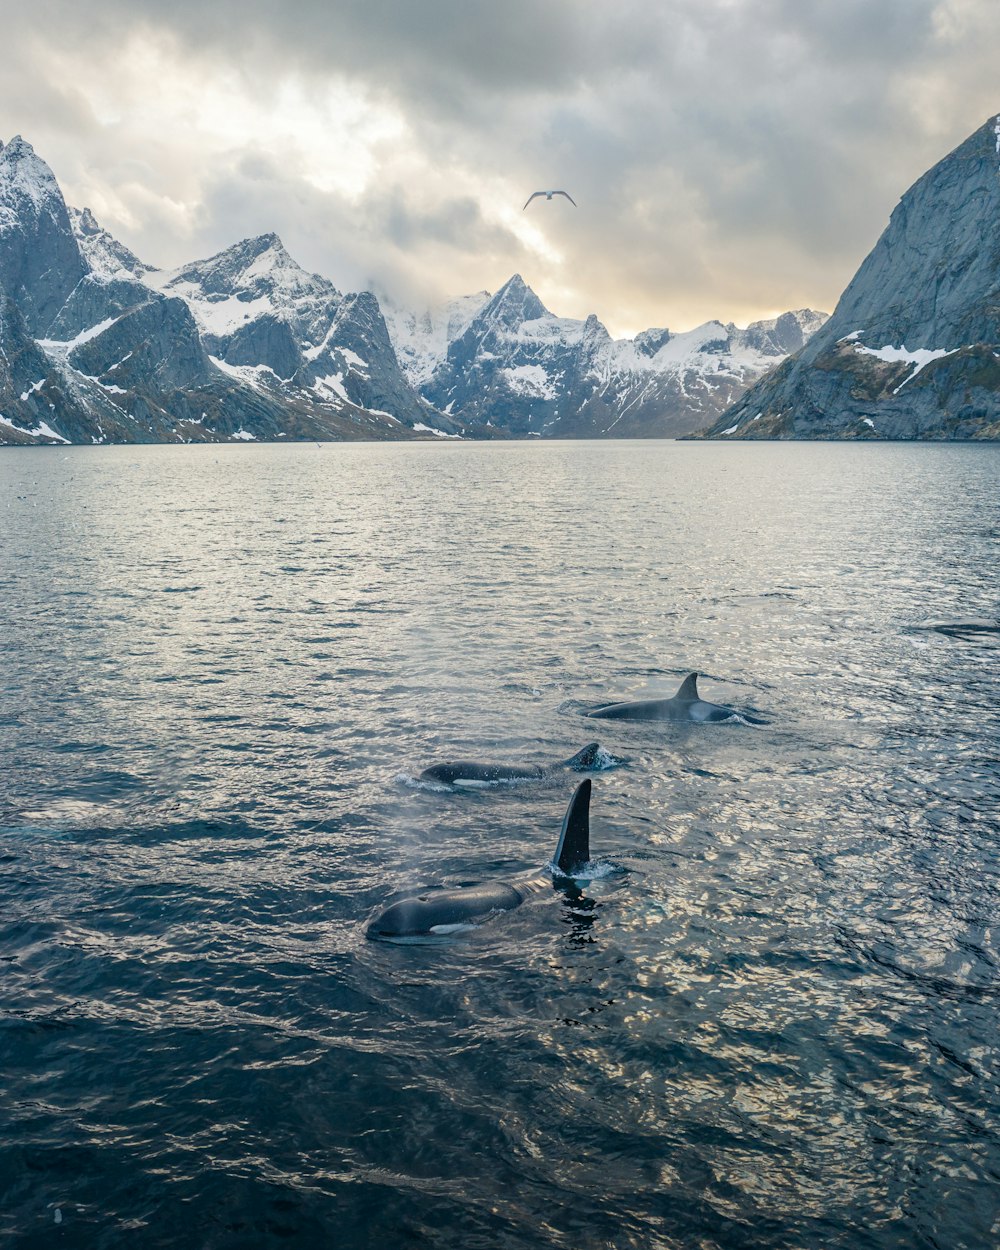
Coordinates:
469 774
685 705
442 911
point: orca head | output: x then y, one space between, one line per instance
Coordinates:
404 918
444 774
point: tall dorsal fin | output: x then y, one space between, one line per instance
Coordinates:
573 848
689 688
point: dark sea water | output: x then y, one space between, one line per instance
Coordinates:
775 1025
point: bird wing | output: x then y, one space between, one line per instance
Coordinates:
530 198
567 195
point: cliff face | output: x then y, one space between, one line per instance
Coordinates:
40 263
913 347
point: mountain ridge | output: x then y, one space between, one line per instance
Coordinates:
106 348
505 359
247 344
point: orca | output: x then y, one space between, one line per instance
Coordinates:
685 705
969 630
444 911
468 774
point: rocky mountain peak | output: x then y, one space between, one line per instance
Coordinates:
17 149
107 258
84 221
594 330
513 304
40 262
253 268
26 182
649 342
248 252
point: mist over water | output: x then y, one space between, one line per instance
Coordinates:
221 669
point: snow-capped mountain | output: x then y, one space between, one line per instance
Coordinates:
911 349
99 347
507 361
268 323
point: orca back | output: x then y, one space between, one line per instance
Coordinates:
640 709
469 773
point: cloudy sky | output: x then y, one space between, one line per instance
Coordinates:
729 158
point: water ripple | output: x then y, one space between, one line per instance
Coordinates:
772 1025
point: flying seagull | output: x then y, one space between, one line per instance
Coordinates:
548 195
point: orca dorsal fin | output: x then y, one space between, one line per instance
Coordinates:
584 759
573 847
688 689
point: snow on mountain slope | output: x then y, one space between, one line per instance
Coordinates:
247 343
104 255
269 323
421 340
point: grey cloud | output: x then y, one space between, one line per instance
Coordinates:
726 154
372 244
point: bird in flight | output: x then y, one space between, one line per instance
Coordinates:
548 195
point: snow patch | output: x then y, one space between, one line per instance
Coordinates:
84 336
332 384
31 389
250 375
919 358
310 353
221 316
732 429
429 429
530 380
41 430
245 435
105 386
